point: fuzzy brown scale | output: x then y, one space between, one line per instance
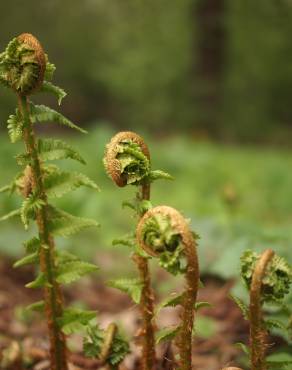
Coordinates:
112 164
178 223
258 334
40 58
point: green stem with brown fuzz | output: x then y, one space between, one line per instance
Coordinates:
184 340
146 304
179 224
257 331
52 293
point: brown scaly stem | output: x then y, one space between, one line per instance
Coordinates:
146 304
257 331
184 340
52 293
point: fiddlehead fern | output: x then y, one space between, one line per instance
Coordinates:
24 68
268 278
23 64
164 233
127 162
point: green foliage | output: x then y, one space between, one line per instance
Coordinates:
57 183
15 127
277 280
163 239
19 68
133 287
75 320
64 224
51 150
134 165
48 87
41 113
96 340
167 334
32 258
70 268
39 282
243 307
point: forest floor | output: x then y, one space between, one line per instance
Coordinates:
23 341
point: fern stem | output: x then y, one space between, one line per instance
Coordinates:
257 331
184 339
52 293
146 304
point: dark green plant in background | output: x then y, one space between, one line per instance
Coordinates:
24 68
268 278
127 162
164 233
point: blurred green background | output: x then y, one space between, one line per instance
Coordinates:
208 82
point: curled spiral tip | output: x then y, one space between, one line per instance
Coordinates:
178 223
39 58
112 164
23 64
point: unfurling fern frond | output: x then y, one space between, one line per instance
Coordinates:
164 233
108 345
268 278
23 68
277 280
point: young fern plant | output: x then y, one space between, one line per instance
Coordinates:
164 233
108 346
268 278
127 162
24 68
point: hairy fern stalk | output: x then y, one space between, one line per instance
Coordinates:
127 162
164 233
268 278
24 67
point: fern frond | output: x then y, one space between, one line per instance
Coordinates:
38 306
41 113
133 287
11 214
39 282
274 324
74 320
50 150
241 305
73 269
167 334
27 260
58 183
48 87
277 280
28 208
50 69
159 175
15 127
32 245
64 224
